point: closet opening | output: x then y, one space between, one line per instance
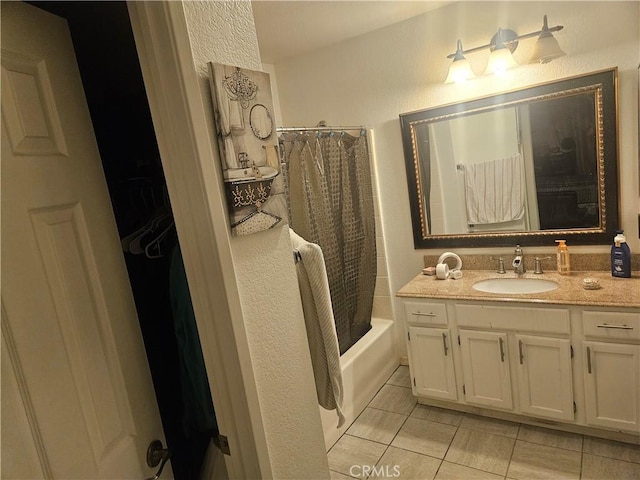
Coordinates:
114 89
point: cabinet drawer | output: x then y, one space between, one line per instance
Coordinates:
536 320
611 325
423 313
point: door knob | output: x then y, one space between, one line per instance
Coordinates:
157 454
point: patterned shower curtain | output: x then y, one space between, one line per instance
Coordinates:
331 204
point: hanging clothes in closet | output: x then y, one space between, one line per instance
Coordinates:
198 414
163 302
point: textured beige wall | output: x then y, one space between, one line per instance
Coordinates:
223 32
373 78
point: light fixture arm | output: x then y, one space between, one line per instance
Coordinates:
510 40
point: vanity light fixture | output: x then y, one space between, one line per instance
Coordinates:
501 59
502 45
546 47
460 69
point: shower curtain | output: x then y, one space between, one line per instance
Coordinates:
330 200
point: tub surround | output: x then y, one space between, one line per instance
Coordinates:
615 292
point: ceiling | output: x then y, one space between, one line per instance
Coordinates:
290 28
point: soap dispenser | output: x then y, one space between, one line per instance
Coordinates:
564 267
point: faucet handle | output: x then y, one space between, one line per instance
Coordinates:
500 264
538 264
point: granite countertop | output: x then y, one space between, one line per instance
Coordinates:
615 292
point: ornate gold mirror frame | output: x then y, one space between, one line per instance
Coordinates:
602 85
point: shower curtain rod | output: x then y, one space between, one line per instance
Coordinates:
319 129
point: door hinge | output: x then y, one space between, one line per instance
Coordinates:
414 381
409 336
575 408
223 443
571 348
459 340
464 390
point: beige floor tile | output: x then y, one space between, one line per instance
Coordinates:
490 425
550 438
401 377
534 461
439 415
451 471
394 399
402 464
421 436
377 425
350 451
339 476
603 468
611 449
480 450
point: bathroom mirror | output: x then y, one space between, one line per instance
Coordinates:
260 121
526 166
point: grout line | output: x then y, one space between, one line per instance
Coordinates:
450 443
555 447
611 458
513 449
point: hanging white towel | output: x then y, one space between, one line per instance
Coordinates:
493 191
320 324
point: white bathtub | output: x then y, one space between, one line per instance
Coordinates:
366 366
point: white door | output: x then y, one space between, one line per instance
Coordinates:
545 383
486 369
612 384
432 363
77 396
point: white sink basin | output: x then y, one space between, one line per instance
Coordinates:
248 174
515 285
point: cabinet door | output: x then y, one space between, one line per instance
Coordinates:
486 369
545 384
432 363
612 383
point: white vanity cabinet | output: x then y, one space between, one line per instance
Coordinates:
520 352
485 367
612 369
544 359
430 351
545 376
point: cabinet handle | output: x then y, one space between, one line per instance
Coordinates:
521 354
589 359
620 327
501 350
444 343
417 314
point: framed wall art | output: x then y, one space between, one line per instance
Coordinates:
246 133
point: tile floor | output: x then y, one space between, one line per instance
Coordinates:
409 441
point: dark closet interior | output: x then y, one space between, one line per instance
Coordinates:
114 89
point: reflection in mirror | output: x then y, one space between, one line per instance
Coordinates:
523 165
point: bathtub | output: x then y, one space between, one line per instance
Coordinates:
366 366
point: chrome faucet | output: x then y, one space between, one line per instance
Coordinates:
518 261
